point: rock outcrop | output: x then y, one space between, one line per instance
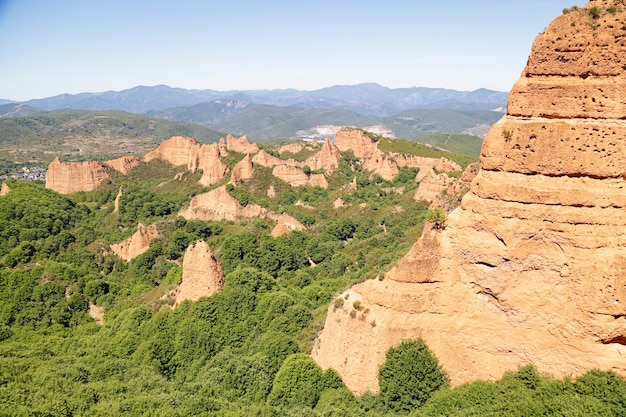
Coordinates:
425 164
243 170
327 158
348 138
5 189
177 150
184 151
202 274
531 268
265 159
137 244
285 224
73 177
123 164
218 204
297 177
241 145
383 165
433 184
292 148
208 160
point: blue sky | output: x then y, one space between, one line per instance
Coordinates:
71 46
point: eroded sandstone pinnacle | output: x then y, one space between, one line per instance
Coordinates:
531 269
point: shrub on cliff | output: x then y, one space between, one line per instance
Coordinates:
409 376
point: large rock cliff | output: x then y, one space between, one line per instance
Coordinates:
532 267
72 177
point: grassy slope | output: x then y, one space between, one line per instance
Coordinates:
81 134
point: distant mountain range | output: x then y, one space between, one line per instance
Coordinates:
270 114
368 99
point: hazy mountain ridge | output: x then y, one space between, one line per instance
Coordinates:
368 99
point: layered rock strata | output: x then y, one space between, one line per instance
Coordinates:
532 267
73 177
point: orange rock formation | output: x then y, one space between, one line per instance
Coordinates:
265 159
348 138
202 274
531 267
5 189
383 165
72 177
184 151
137 244
297 177
241 145
432 185
285 224
327 158
123 164
218 204
243 170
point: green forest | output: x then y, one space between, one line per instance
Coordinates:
243 351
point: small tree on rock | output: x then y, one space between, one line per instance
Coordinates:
437 217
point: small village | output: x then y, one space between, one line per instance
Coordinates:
26 174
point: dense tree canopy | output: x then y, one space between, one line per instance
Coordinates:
243 351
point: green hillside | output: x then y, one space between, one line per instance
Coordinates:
241 352
268 122
439 121
467 145
265 122
81 134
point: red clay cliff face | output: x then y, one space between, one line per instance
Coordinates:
531 268
72 177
